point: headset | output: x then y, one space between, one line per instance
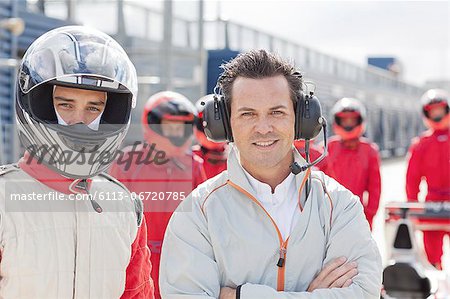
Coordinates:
308 116
308 123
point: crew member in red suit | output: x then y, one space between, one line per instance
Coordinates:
315 151
162 171
354 160
429 160
214 154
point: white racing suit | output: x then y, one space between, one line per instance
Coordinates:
222 236
63 248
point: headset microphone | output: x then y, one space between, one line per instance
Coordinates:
296 168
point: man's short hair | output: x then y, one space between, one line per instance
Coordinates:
258 64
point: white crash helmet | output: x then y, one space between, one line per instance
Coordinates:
75 57
347 107
432 97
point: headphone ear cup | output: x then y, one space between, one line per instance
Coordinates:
214 120
298 115
309 117
226 119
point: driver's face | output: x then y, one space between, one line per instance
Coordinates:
171 128
76 105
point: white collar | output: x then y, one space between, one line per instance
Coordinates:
264 191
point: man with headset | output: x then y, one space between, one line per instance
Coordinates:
256 230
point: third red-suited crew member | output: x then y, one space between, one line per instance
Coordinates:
354 160
429 160
214 154
163 170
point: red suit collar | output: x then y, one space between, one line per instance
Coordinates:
49 177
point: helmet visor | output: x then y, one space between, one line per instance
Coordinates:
78 56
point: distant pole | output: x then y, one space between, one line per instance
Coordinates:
71 10
201 47
227 35
12 133
121 30
166 50
219 10
41 6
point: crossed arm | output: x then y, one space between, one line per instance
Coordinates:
189 270
336 274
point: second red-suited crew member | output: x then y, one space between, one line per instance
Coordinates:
354 160
429 160
214 154
170 172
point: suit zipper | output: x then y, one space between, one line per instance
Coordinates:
283 244
75 252
281 264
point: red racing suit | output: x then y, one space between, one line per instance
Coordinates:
429 160
214 162
315 152
356 165
162 187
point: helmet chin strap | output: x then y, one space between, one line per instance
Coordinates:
93 125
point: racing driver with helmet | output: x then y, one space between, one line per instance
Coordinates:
75 91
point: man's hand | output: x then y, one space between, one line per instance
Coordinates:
335 274
227 293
